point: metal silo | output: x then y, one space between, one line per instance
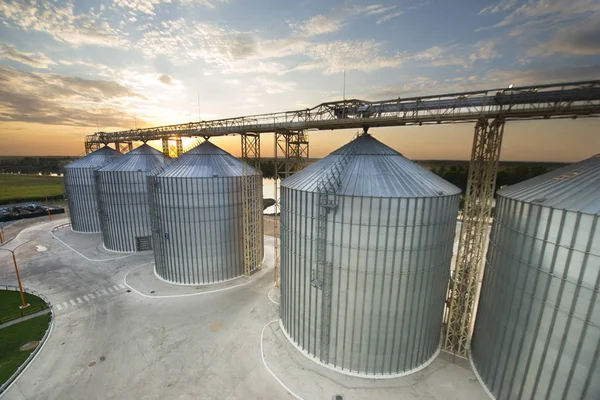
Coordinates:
197 217
537 332
80 188
366 245
123 199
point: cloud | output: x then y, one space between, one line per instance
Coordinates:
230 51
580 40
205 3
376 9
270 86
61 22
540 75
363 55
142 6
545 14
484 50
504 5
571 25
35 60
166 79
184 42
56 86
455 54
418 85
423 85
149 7
389 16
224 50
61 100
321 24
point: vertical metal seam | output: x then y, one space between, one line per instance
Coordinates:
588 314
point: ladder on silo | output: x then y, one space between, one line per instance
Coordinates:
321 277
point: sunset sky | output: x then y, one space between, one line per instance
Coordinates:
68 68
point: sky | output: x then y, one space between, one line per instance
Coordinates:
71 68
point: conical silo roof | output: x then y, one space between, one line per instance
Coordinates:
143 158
95 159
372 169
205 161
575 187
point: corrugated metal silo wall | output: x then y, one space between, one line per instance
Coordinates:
537 332
197 228
123 205
391 261
80 188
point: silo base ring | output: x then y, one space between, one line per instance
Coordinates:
358 374
485 388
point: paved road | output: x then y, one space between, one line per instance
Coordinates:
205 347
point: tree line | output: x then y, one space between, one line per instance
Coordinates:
509 173
34 165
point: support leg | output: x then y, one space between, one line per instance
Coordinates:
464 283
179 144
290 156
252 203
165 146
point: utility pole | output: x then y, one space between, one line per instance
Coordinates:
23 304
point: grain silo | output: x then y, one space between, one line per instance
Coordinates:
366 246
197 216
537 332
123 199
80 189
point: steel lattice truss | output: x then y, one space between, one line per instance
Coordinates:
252 203
530 102
290 156
463 291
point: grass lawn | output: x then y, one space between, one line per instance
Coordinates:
15 336
29 187
10 302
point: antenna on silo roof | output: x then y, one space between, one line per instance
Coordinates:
199 118
344 90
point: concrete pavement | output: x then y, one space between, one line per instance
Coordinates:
120 344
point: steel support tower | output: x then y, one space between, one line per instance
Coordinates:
252 203
290 156
464 283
